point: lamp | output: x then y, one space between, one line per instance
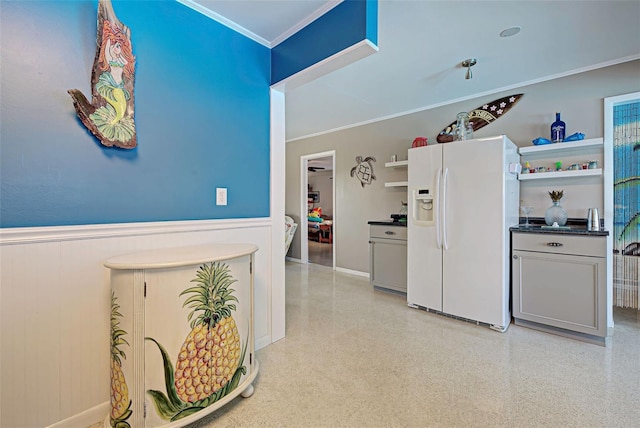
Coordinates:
469 63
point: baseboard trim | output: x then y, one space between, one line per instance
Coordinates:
262 342
87 418
352 272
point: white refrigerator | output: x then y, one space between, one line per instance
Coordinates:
462 201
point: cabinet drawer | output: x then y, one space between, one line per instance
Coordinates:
595 246
388 232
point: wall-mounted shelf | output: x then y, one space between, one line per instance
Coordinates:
560 174
397 164
396 184
548 150
559 147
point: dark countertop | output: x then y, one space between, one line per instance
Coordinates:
577 226
388 223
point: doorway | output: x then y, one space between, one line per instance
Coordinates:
317 211
622 185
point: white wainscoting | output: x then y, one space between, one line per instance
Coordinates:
55 308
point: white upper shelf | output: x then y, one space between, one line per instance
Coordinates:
396 184
556 147
560 174
396 164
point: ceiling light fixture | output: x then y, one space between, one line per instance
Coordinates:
469 63
508 32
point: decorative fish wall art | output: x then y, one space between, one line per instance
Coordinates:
482 116
109 116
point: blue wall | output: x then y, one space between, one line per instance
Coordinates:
347 24
201 111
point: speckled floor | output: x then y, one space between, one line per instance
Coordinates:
354 357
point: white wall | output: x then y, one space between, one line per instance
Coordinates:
54 308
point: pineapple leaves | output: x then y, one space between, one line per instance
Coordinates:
117 334
210 299
186 412
162 404
175 402
556 195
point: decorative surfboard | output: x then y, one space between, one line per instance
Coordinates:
482 116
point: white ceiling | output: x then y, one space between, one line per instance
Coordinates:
423 42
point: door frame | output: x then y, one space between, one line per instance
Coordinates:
304 184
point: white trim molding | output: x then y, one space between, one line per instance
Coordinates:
25 235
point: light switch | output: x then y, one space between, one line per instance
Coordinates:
221 196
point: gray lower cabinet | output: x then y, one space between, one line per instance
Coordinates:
559 284
388 257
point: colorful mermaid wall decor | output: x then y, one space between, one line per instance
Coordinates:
109 116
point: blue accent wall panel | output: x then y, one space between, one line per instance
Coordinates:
351 22
201 112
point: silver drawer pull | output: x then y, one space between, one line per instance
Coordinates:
554 244
388 232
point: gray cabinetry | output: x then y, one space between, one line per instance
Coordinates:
388 257
559 284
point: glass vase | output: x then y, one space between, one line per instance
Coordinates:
555 214
464 129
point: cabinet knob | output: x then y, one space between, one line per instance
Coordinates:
515 257
554 244
388 232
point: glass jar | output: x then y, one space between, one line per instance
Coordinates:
464 128
555 214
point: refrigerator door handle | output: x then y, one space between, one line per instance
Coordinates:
444 209
437 210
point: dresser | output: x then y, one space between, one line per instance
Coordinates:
182 335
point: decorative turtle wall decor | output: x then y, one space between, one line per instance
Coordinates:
363 170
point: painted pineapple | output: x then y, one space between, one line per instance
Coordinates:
120 403
211 352
556 195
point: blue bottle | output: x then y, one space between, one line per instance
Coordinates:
557 130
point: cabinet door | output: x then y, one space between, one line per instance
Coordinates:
560 290
195 344
389 264
127 348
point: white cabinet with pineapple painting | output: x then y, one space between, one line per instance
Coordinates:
182 339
